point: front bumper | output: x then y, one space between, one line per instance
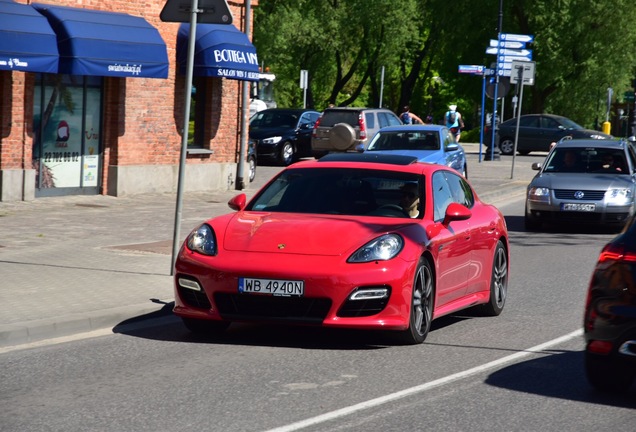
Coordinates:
328 284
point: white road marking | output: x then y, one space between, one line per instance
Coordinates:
424 387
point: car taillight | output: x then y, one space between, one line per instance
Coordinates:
363 127
616 253
316 126
599 347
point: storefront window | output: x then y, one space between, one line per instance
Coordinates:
67 134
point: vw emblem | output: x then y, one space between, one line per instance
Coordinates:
578 194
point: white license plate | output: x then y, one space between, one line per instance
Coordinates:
275 287
578 207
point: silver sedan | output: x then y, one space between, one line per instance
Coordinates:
583 181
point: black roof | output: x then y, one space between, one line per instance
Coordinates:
368 157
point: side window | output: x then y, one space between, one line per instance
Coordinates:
393 120
632 156
369 117
442 195
531 121
461 191
383 121
548 123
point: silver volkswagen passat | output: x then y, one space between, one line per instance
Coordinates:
583 181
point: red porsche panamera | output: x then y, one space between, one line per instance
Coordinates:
350 241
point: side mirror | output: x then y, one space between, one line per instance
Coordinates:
238 202
456 212
536 166
452 147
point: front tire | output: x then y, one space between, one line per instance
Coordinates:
286 156
422 299
251 162
498 282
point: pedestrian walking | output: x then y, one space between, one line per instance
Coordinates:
408 117
454 121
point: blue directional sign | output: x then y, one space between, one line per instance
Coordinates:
511 37
471 69
521 55
505 44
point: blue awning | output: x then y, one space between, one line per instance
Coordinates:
101 43
221 50
27 42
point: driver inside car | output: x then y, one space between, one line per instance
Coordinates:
410 200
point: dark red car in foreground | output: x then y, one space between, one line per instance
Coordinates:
610 315
351 241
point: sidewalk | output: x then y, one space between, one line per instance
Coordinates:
80 263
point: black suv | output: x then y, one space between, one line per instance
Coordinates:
346 129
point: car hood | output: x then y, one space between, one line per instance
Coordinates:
260 133
300 234
430 156
591 133
587 181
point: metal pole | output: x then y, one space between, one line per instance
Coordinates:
495 125
240 180
483 109
381 86
176 240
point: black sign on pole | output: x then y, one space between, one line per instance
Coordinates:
209 12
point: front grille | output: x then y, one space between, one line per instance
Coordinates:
272 308
588 195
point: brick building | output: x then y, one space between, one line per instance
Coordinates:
93 98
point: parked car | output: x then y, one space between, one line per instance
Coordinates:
360 241
609 323
428 143
346 129
584 181
251 161
537 132
282 135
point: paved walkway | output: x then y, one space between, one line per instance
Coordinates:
80 263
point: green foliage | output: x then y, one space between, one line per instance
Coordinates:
408 51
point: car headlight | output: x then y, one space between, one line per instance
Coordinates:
203 240
380 249
272 140
539 194
619 196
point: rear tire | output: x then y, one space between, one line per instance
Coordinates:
608 375
498 282
507 146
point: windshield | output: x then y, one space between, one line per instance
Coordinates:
427 140
273 119
341 191
586 160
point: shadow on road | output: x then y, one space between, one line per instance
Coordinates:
560 375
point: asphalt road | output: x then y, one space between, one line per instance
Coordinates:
519 371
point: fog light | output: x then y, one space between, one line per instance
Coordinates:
189 284
370 294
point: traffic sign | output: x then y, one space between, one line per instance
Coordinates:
471 69
506 44
522 71
209 12
516 37
511 57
